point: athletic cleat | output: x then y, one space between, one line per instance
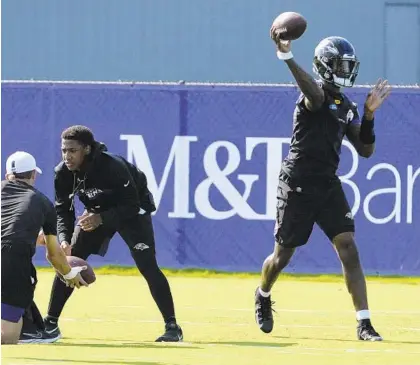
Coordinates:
366 332
263 312
38 337
173 333
51 328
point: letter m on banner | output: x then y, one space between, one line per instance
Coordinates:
179 157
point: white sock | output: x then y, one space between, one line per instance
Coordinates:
364 314
263 293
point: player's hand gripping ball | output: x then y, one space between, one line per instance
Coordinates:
88 275
288 26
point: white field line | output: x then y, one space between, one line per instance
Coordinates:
102 320
309 311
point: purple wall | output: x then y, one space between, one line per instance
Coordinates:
212 155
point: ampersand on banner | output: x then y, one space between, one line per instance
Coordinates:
218 177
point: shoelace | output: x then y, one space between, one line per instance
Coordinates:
368 329
266 308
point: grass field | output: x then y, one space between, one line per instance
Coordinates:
115 322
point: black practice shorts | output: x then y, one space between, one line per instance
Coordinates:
136 232
18 277
298 208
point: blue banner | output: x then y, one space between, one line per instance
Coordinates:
212 155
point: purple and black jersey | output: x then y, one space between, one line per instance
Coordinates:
317 137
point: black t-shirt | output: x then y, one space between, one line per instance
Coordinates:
317 137
24 211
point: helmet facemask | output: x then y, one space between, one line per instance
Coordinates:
340 71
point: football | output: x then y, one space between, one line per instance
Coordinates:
88 275
289 26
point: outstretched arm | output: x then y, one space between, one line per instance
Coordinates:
314 95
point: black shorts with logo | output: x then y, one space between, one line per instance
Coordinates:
299 206
18 277
136 232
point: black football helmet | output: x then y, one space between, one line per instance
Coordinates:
335 62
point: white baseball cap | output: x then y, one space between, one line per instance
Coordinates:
20 162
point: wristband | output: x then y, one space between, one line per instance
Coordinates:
367 134
284 56
73 272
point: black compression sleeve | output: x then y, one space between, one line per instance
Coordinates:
367 134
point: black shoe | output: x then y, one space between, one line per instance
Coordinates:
38 337
366 332
51 327
173 333
263 312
